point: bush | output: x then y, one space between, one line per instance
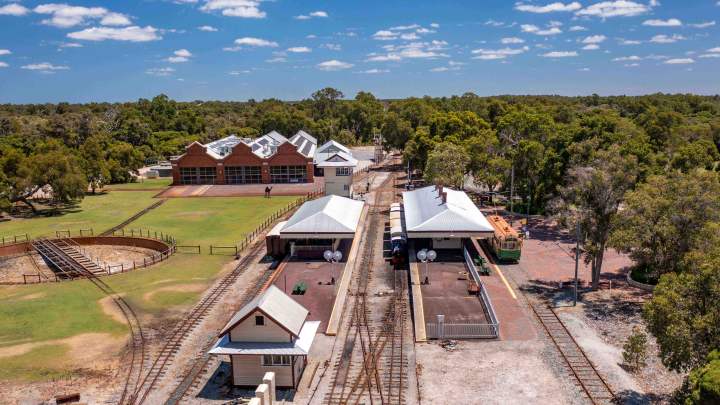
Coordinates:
704 382
635 350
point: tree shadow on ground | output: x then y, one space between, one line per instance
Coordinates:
629 397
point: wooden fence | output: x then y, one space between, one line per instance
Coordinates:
8 240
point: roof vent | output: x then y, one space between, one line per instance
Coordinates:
440 189
444 197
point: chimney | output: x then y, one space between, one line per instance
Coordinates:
444 197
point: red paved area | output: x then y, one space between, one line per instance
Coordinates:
242 190
548 257
319 298
446 295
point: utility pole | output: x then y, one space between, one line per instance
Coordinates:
577 260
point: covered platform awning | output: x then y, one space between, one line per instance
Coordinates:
441 212
330 217
300 347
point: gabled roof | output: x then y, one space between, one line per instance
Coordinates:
298 347
327 215
303 134
329 144
426 212
275 136
276 305
222 147
339 159
305 143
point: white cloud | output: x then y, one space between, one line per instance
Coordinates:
165 71
629 42
591 47
682 61
132 34
66 16
235 8
664 39
594 39
707 24
5 52
576 28
44 67
672 22
714 50
560 54
384 35
299 49
496 54
512 40
277 59
332 65
314 14
180 56
332 47
618 8
412 50
374 71
71 45
256 42
207 28
710 55
550 8
238 72
14 9
629 65
3 65
534 29
627 58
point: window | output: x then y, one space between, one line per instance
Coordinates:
197 175
288 174
346 187
243 175
259 320
276 360
343 171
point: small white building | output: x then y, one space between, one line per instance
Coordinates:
321 224
270 333
443 215
337 164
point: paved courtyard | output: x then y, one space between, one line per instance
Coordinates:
242 190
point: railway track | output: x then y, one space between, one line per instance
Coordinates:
582 370
190 321
371 365
133 218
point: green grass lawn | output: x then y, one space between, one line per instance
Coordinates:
99 212
142 184
61 310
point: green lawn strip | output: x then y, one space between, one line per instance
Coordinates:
141 185
52 311
216 220
99 212
39 364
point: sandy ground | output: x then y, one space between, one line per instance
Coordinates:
117 255
12 269
491 372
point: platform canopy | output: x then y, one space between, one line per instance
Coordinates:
428 216
330 217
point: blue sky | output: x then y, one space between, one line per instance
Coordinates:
81 51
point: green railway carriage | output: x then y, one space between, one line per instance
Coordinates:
505 243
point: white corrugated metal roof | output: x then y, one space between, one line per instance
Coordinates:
299 347
279 306
339 159
327 215
331 143
305 135
425 212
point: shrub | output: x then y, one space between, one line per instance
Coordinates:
704 382
635 350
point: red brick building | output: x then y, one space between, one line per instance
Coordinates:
272 158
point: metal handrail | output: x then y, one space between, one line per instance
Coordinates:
484 296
